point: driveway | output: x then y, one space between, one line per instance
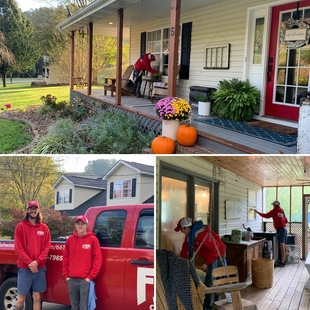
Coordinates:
49 306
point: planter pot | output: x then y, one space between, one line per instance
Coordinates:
169 128
204 108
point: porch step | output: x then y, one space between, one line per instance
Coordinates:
179 149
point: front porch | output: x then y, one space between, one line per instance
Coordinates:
287 292
211 139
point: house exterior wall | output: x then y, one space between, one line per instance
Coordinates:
79 195
232 187
144 186
215 24
57 75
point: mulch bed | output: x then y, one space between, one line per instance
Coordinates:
38 124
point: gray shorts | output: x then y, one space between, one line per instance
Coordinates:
26 279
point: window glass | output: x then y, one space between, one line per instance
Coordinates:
63 196
109 227
145 230
258 40
122 189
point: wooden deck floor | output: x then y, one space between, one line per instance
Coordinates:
288 290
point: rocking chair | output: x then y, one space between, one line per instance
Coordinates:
111 85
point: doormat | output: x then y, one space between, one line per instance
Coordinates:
274 127
253 131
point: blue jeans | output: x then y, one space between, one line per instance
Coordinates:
210 298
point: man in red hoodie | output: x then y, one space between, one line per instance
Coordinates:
199 239
32 242
81 263
279 223
143 63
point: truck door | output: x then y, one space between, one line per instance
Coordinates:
139 265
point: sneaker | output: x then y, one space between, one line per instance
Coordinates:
228 297
281 264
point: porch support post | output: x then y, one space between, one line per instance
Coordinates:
120 19
72 61
90 58
174 45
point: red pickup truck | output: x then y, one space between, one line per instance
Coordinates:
126 278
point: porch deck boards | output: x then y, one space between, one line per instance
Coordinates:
287 292
221 141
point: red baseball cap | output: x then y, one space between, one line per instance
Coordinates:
151 57
82 218
32 204
183 222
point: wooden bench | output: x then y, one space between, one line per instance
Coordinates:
307 265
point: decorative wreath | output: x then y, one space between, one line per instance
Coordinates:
292 23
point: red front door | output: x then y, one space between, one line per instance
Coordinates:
288 67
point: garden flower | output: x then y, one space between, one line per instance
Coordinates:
173 108
8 105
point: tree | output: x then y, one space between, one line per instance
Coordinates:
100 166
6 57
23 178
17 31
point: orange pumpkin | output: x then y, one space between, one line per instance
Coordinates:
186 135
163 145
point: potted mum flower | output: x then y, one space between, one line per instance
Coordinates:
172 110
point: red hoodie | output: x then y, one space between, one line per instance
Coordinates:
82 257
211 249
32 242
278 216
143 63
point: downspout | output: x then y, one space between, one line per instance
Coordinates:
90 57
119 60
174 45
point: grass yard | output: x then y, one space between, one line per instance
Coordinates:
21 95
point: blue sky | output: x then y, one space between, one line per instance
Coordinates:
26 5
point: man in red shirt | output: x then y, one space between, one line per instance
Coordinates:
279 223
81 263
143 63
200 240
32 241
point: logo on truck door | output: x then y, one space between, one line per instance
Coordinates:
145 276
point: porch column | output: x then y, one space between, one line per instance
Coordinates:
72 61
120 20
90 58
173 47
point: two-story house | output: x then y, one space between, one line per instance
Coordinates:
125 183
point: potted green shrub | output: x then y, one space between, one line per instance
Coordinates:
235 100
156 76
204 103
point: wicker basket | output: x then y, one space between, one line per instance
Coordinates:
262 272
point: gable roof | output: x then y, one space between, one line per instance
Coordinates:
139 168
82 180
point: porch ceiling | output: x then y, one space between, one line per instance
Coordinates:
100 13
267 170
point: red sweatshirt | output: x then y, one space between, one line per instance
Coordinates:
208 251
32 242
143 63
278 216
82 257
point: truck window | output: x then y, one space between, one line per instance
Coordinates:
145 230
109 227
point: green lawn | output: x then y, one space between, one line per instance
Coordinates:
21 95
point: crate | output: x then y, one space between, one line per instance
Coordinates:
292 254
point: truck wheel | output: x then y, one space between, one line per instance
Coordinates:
8 295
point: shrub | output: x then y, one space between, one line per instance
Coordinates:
50 104
59 224
102 133
236 100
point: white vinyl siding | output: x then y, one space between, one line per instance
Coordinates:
219 23
79 195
